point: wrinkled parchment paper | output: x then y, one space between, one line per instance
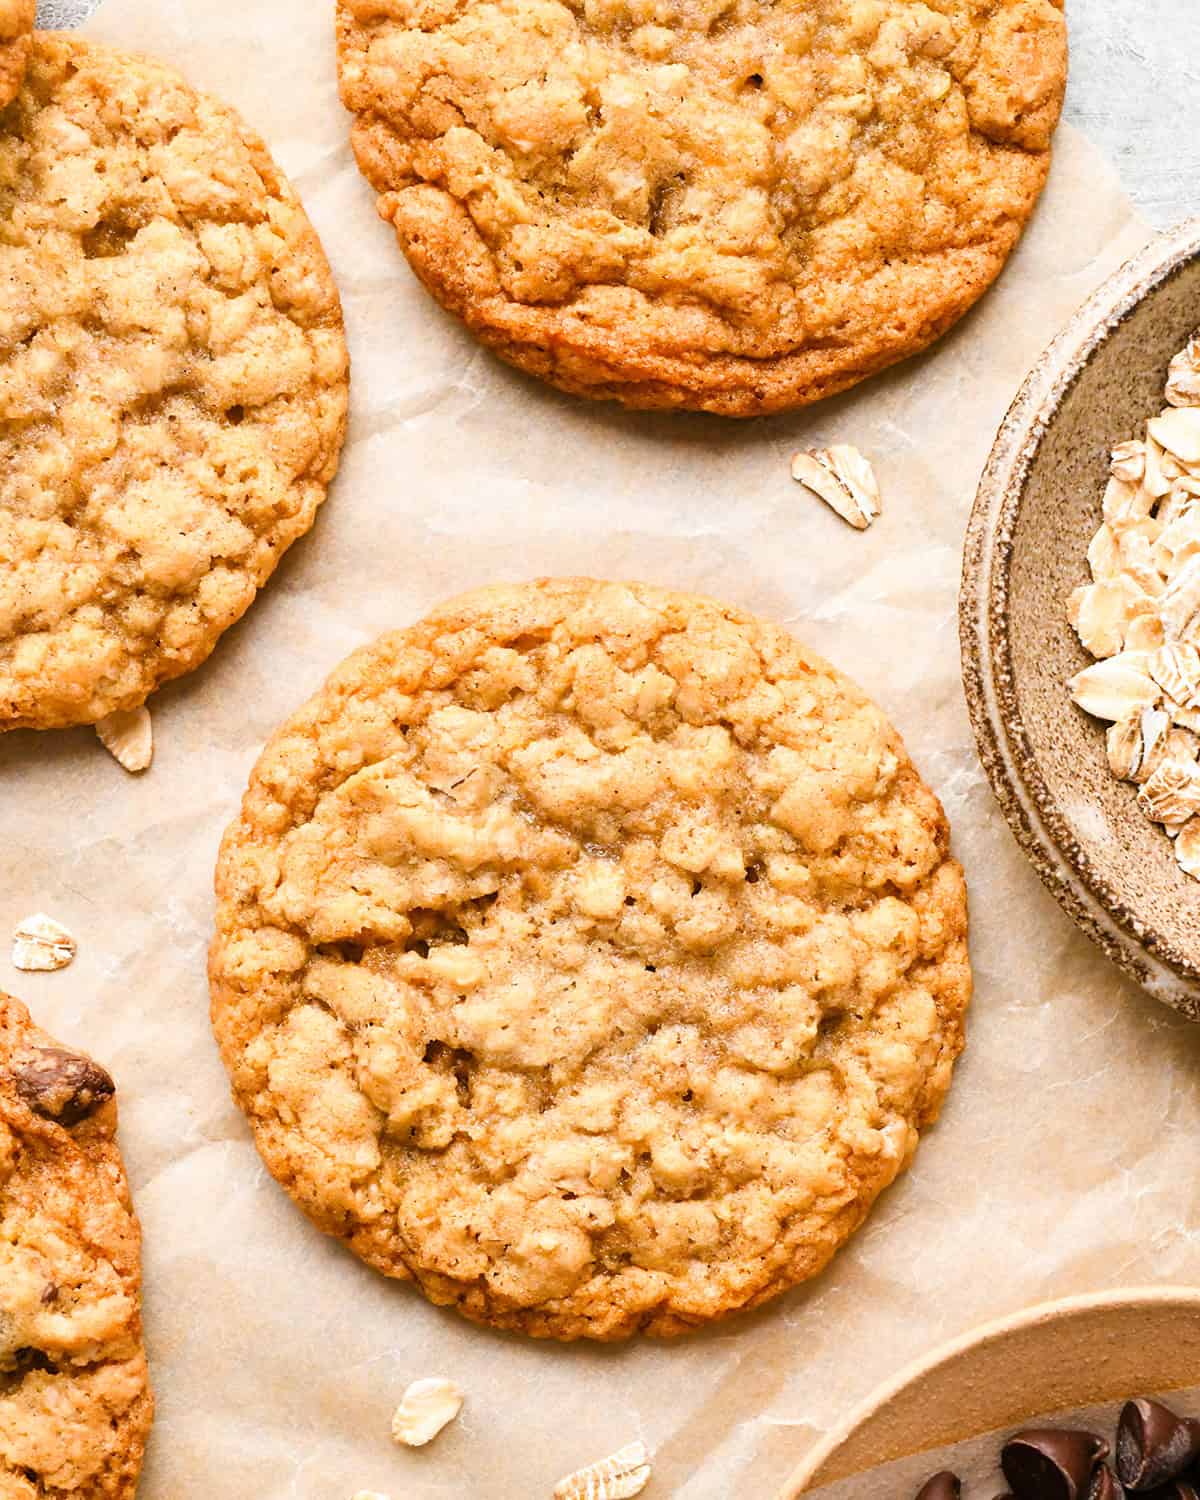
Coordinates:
977 1460
1065 1161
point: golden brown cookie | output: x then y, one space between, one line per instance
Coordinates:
591 954
16 40
719 204
75 1403
173 380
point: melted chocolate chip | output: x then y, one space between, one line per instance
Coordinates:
1154 1445
943 1486
1106 1485
1052 1463
61 1085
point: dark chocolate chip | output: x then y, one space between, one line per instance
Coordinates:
1106 1485
1052 1463
28 1359
61 1085
943 1486
1154 1445
49 1293
1177 1489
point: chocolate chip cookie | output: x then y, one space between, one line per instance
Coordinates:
720 204
75 1403
173 380
16 40
591 954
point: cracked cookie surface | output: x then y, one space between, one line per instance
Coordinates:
173 380
16 42
75 1403
590 953
721 204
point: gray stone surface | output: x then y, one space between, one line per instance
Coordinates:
1135 90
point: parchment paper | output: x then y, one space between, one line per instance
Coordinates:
1065 1161
977 1461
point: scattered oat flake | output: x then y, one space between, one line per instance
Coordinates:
40 945
128 737
425 1408
618 1477
844 479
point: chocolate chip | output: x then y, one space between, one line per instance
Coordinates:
49 1293
1052 1463
1177 1489
943 1486
16 1364
61 1085
1154 1445
27 1359
1106 1485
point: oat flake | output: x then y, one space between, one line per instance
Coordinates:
427 1406
1139 617
129 738
40 945
844 479
618 1477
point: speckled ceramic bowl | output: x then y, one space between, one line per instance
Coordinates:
1037 508
1052 1358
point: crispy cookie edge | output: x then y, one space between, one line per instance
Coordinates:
602 1318
453 263
336 414
95 1139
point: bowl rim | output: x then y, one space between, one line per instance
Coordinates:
1080 887
993 1331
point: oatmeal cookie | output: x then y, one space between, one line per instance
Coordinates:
173 380
75 1403
591 954
719 204
16 40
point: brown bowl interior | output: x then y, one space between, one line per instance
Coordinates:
1123 858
